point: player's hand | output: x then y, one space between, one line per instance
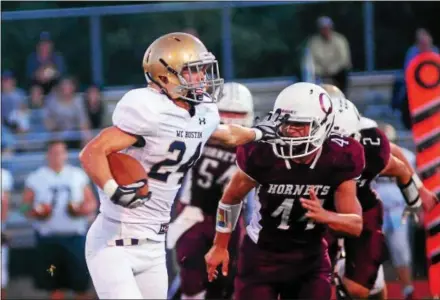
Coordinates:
413 212
429 199
269 125
128 196
315 210
76 209
215 257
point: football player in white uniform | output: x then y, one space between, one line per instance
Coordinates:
165 127
7 184
58 199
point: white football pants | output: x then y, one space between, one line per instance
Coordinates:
125 272
4 266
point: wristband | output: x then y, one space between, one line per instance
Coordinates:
411 193
417 180
258 134
227 217
110 187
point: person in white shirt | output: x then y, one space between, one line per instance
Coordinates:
7 185
58 199
165 126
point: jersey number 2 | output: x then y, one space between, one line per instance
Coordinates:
156 171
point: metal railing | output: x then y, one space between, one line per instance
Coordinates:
95 13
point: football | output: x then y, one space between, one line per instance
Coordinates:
43 211
127 170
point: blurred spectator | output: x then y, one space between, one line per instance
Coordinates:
7 184
423 44
12 97
19 118
191 31
7 141
64 112
396 233
58 199
331 54
36 97
94 106
45 67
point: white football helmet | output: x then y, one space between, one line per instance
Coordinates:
348 119
333 91
367 123
236 98
306 104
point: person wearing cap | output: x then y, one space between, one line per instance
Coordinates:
331 54
44 66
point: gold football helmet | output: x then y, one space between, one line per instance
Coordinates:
333 91
182 67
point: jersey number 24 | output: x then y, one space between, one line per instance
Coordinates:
157 172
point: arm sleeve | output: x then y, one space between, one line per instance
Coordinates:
379 156
83 178
135 115
352 163
7 181
246 160
31 182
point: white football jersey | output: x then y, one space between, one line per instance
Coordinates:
57 190
174 141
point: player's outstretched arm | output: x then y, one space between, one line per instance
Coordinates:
94 155
234 135
412 188
228 213
397 152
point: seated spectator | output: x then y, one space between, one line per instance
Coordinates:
12 98
36 97
65 112
20 119
45 67
94 106
331 54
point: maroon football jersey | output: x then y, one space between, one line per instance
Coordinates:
209 176
377 153
278 221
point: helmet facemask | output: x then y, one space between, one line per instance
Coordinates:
209 84
308 142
